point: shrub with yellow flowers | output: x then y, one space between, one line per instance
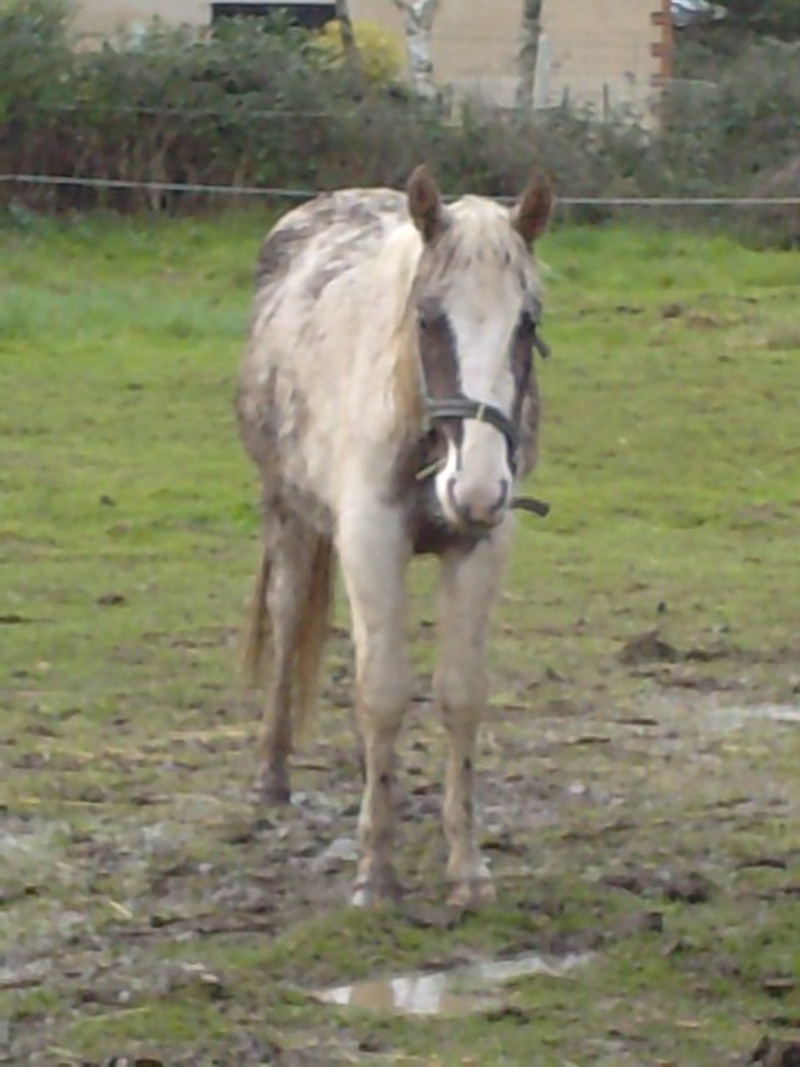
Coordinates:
382 55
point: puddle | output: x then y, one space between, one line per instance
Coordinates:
733 718
454 992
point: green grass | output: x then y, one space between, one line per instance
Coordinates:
129 535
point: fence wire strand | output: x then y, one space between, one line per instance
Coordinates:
288 193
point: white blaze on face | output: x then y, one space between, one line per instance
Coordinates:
474 486
476 482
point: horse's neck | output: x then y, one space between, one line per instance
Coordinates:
387 280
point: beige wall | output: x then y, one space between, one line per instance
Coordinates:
100 18
603 54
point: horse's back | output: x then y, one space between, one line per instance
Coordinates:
297 378
325 237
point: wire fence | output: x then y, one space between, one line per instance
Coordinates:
300 194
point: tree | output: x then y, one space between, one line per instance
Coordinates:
529 45
419 16
775 18
352 56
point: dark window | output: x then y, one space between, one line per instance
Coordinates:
309 16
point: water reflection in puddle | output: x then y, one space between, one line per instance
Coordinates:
454 992
735 717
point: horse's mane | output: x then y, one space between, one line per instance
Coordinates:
405 381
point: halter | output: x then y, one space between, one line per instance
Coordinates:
463 407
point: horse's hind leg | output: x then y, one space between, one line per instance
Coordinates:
290 546
467 586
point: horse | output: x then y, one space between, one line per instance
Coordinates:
387 397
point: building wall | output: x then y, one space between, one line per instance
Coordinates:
607 55
101 18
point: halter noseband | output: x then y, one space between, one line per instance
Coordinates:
461 407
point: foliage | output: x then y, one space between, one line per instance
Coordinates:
278 109
735 133
35 56
381 55
778 18
703 51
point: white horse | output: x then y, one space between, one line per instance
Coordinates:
387 397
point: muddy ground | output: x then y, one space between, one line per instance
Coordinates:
638 768
152 909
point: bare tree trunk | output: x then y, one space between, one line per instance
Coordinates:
352 56
529 46
419 16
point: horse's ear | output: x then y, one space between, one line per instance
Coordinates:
530 215
425 204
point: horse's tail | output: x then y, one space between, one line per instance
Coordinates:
257 628
311 631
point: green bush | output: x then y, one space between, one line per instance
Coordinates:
35 56
242 107
774 18
747 122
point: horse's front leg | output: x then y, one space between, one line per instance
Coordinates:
374 552
468 583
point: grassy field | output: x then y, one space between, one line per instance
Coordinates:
640 791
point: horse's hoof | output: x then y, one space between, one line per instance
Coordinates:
379 888
273 789
472 893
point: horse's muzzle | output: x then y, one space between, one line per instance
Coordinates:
478 511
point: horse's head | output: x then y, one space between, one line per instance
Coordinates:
477 300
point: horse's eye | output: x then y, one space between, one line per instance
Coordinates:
429 314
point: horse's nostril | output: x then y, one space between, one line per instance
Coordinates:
489 514
500 503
